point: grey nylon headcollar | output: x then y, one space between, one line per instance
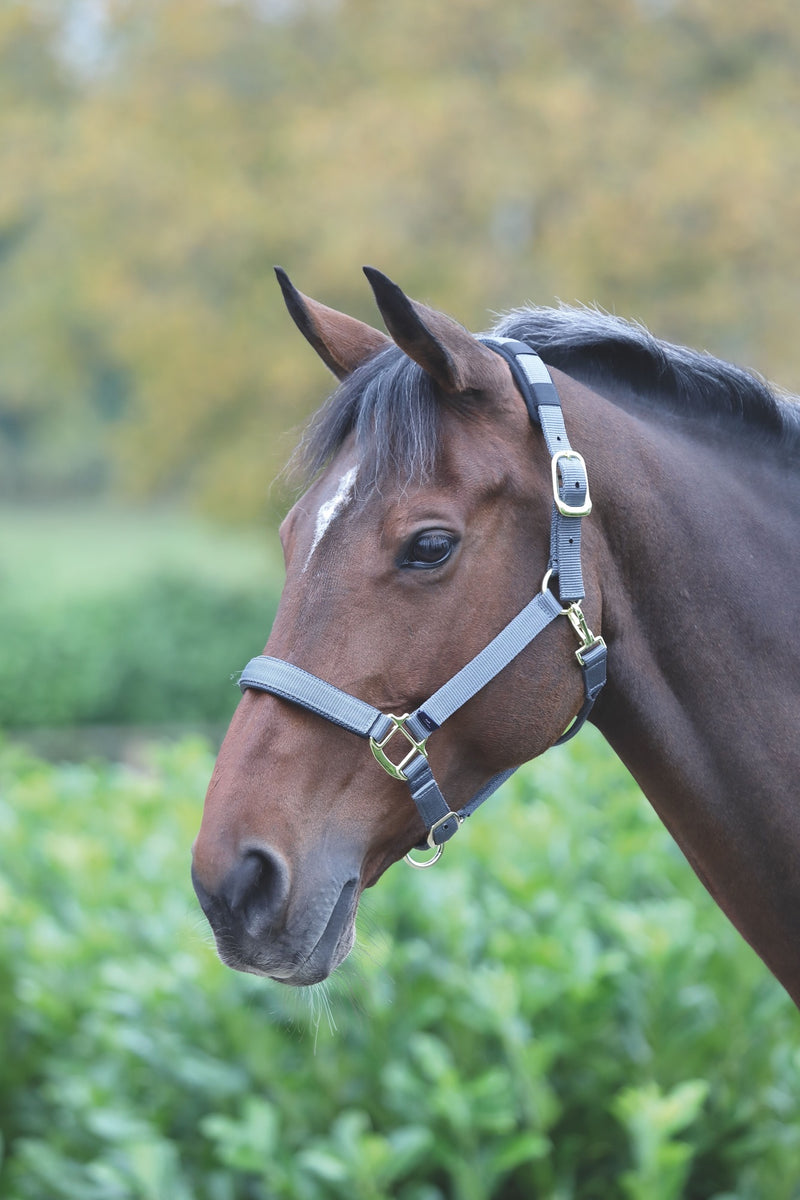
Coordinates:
571 503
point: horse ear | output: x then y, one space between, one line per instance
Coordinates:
342 342
446 350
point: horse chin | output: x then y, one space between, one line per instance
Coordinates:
320 965
283 962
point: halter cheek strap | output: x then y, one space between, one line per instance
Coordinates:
409 733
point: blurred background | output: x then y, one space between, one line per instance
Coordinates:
607 1035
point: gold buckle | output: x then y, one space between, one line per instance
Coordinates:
569 510
378 748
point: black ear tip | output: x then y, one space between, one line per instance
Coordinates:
293 299
287 286
386 291
379 280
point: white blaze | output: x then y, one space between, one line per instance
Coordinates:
330 508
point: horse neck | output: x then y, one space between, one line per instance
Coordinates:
700 581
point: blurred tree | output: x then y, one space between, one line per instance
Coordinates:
642 154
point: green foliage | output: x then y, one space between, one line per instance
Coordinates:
557 1011
653 1120
641 155
157 652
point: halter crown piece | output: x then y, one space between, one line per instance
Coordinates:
571 502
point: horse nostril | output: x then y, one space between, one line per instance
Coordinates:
256 888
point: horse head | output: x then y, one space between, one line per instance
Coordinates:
426 529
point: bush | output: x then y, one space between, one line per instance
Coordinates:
160 651
557 1010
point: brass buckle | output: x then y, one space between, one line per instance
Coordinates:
569 510
378 748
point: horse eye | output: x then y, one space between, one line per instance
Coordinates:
429 549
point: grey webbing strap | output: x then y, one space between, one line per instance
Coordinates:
503 648
434 809
292 683
544 407
488 789
593 668
573 488
471 679
530 374
301 687
439 821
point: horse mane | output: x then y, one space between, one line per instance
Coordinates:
393 407
608 353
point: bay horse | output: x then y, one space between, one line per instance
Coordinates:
444 535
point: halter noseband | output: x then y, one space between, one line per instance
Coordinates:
571 502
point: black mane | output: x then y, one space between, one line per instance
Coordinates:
606 353
393 406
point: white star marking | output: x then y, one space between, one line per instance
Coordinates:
331 508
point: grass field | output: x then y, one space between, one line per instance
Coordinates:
62 552
114 616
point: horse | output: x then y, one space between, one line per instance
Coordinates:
444 534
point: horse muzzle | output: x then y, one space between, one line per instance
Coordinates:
265 926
